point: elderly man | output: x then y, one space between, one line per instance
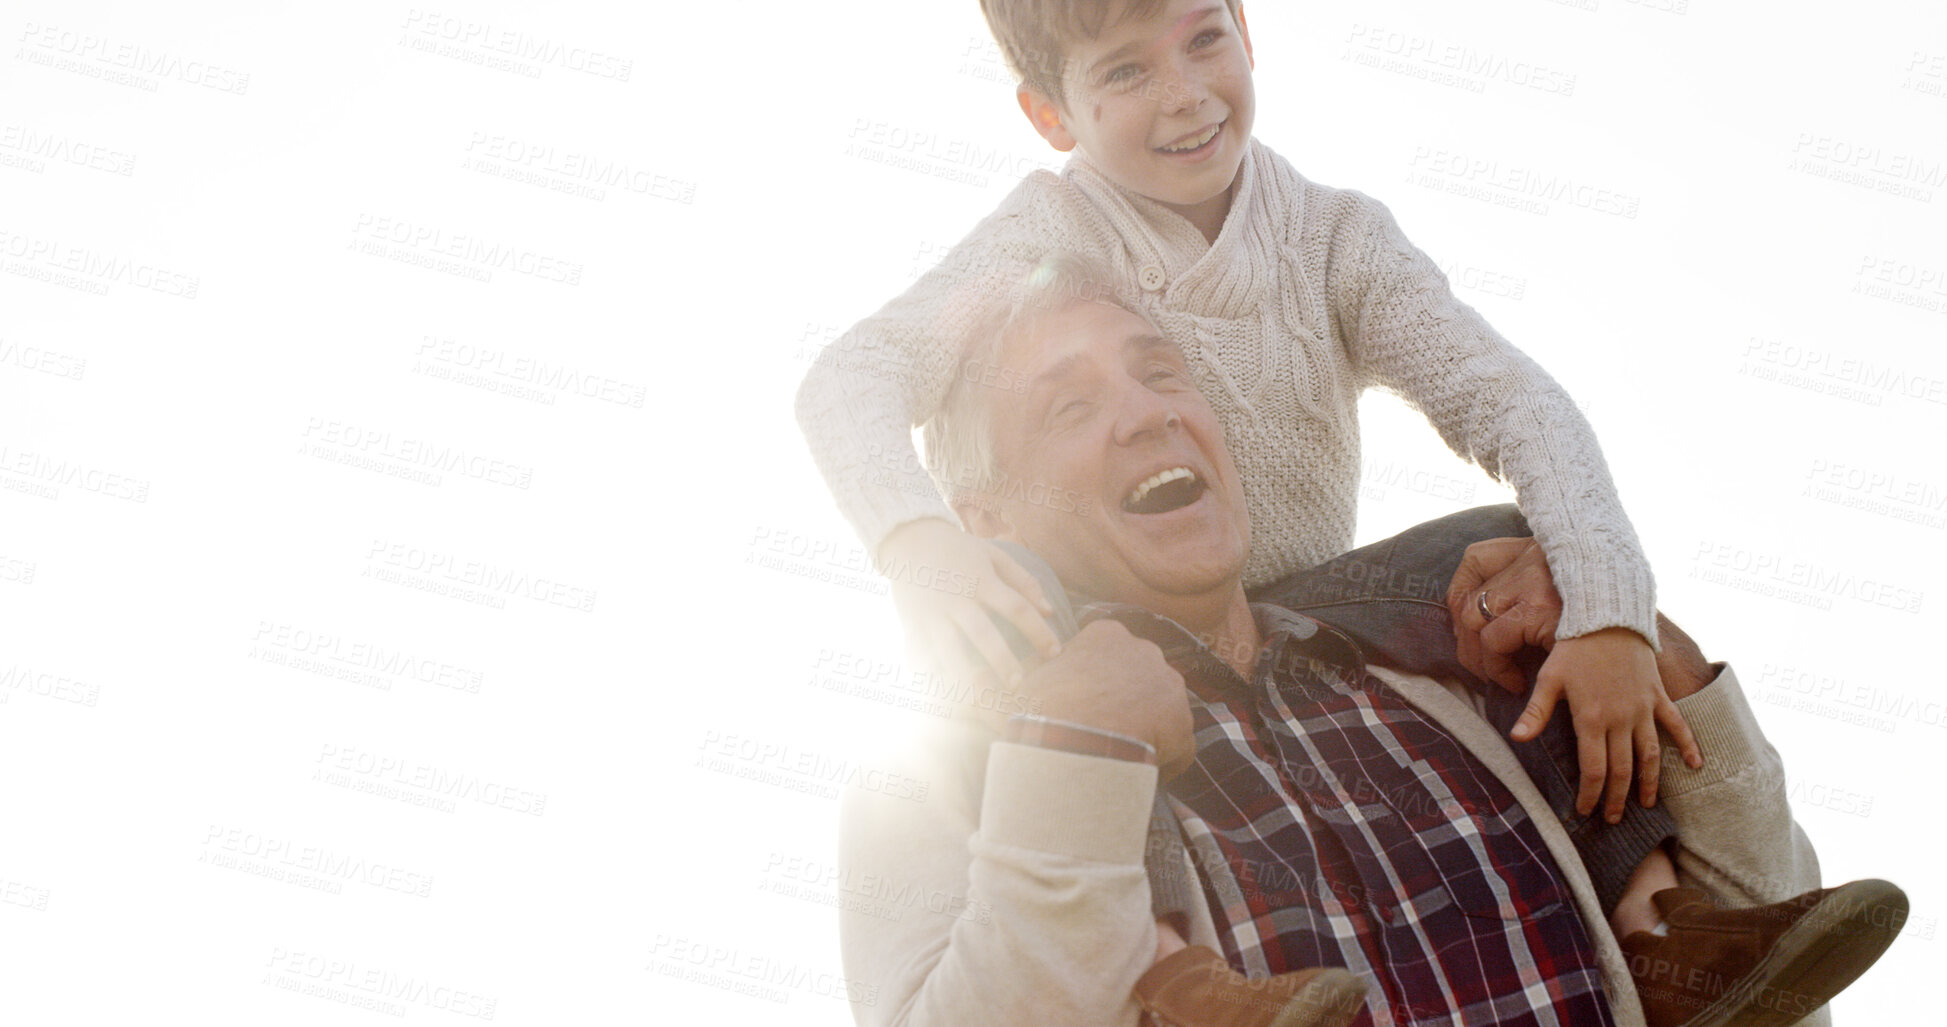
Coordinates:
1336 814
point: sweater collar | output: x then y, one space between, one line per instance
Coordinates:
1227 278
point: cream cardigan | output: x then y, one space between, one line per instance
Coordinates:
1309 296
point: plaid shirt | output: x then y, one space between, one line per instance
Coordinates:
1335 825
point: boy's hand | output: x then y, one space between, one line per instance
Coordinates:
1615 694
1617 699
986 584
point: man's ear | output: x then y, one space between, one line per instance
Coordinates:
983 518
1244 31
1045 115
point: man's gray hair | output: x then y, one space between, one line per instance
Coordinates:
959 437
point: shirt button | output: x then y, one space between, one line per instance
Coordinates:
1150 277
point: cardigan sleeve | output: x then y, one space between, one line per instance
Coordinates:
1022 900
1492 405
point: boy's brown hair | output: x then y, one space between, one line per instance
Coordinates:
1034 34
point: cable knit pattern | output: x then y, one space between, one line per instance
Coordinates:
1308 296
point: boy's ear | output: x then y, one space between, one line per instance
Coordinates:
1045 115
1244 32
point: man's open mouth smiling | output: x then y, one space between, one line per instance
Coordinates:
1170 489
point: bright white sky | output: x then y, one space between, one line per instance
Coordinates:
1759 349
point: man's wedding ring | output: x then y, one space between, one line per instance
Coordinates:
1480 603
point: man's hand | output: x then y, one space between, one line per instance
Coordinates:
991 586
1610 677
1109 679
1513 574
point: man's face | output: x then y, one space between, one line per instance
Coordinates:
1163 104
1110 414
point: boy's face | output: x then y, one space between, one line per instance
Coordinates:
1161 104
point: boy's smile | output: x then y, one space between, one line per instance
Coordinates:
1161 104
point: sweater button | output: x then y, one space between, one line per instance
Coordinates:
1150 277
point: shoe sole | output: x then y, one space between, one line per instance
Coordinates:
1331 999
1817 958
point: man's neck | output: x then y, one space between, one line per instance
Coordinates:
1228 630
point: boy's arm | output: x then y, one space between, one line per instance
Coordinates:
1493 405
867 389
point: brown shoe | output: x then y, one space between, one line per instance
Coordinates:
1196 988
1766 966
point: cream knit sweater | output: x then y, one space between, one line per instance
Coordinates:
1309 296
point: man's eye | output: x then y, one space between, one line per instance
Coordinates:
1119 74
1205 38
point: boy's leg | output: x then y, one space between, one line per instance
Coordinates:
1391 598
1611 852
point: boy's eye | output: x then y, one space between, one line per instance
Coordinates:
1205 38
1120 73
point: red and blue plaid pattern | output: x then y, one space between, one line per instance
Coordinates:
1335 825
